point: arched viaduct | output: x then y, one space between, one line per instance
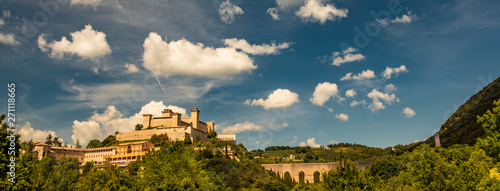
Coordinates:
308 168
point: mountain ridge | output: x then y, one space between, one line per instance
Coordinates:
461 127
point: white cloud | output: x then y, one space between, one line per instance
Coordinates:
388 72
185 58
330 110
333 142
87 43
286 4
408 18
390 88
262 144
239 127
227 12
382 22
282 125
100 125
244 46
93 3
348 56
316 11
274 13
8 39
376 96
409 113
280 98
131 68
6 13
294 140
342 117
2 22
323 92
350 93
354 103
29 133
365 74
310 142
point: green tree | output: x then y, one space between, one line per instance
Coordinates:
187 141
56 142
6 137
77 144
345 176
138 127
109 141
211 134
159 140
94 143
491 124
49 140
175 168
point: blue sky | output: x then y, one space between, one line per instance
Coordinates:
274 72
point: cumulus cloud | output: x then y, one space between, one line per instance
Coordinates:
2 22
244 46
408 18
310 142
365 74
388 72
342 117
323 92
409 113
227 12
316 11
382 22
274 13
239 127
131 68
93 3
182 57
354 103
87 43
330 109
294 140
390 88
100 125
377 96
333 142
346 56
8 39
28 133
280 98
350 93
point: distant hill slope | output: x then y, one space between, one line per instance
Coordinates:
461 127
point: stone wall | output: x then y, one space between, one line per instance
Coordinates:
136 135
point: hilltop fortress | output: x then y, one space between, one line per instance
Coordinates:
173 124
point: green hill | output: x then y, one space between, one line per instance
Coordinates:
461 127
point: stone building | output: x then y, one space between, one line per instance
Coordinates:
173 124
120 155
229 137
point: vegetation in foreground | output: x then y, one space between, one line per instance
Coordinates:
177 166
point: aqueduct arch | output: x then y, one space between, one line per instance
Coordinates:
308 168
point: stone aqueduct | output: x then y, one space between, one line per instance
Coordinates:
308 168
